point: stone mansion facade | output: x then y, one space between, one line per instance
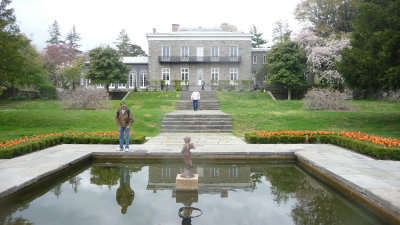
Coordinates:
192 55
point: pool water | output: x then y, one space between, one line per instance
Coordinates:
143 192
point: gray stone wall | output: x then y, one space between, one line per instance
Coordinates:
244 67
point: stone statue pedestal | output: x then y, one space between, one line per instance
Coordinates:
187 184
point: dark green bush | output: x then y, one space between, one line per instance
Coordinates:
47 91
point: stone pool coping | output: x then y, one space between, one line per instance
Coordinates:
374 182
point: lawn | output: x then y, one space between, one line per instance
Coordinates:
262 113
25 118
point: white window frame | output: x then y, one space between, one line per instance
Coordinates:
185 53
112 86
143 78
214 53
253 75
121 85
233 76
214 171
132 78
214 73
254 59
166 72
184 73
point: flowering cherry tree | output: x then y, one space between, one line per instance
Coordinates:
322 56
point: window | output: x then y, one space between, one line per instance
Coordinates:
233 172
166 171
143 78
132 78
214 73
185 53
112 86
253 75
165 75
184 73
121 85
214 51
265 59
165 52
233 76
214 171
254 59
233 53
88 82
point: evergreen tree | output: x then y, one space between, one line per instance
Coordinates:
126 48
285 65
257 40
73 39
373 61
55 34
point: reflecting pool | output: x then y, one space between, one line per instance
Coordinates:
143 192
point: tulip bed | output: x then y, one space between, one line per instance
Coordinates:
18 147
382 148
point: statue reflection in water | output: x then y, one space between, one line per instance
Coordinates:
125 194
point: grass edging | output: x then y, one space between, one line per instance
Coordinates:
355 145
26 148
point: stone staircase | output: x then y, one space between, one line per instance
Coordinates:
207 119
212 122
207 101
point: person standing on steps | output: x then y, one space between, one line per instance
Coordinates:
202 84
195 98
124 120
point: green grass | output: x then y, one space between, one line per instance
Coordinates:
249 114
25 118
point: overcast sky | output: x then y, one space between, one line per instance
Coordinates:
99 22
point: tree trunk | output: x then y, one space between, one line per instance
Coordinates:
289 94
107 86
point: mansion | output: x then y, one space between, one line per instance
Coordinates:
192 55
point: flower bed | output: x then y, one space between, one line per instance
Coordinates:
382 148
17 147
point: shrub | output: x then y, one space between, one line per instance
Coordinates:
261 89
135 89
47 91
326 99
85 98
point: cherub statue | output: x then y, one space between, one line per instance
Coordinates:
187 173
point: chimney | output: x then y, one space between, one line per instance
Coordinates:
225 27
175 27
154 30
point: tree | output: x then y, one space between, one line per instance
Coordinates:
55 34
69 73
125 48
327 17
323 56
257 41
73 39
106 67
285 65
281 32
373 62
56 55
20 64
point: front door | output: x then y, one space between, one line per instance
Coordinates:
199 75
200 53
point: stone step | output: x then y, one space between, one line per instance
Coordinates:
211 119
194 116
196 127
197 131
204 95
197 122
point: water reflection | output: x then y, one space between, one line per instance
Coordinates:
125 194
278 193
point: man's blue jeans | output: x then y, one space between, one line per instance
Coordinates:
123 131
195 104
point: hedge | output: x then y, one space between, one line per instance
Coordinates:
356 145
22 149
